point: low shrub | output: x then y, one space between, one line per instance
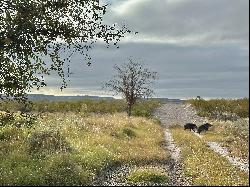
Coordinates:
47 142
222 109
20 170
17 119
9 133
62 170
6 118
125 133
145 108
129 132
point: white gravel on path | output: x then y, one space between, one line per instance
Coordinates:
238 162
172 113
173 149
177 169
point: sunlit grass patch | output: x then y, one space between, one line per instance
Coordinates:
70 149
148 176
131 139
204 166
65 170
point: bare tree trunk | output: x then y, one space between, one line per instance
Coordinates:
129 109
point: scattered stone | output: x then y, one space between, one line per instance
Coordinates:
240 163
175 170
172 113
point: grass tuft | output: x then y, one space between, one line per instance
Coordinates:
147 176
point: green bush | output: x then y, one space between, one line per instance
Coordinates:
129 132
6 118
18 119
221 108
9 133
56 170
62 170
20 170
47 142
145 108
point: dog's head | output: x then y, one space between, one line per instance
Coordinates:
208 125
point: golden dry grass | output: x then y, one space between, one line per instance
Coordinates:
93 142
204 166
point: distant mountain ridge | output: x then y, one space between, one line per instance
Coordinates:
43 97
167 100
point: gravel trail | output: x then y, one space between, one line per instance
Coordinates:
173 113
176 171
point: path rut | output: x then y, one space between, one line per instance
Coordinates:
171 114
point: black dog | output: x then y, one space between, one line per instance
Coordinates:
204 127
190 126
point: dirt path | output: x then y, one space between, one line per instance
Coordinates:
176 168
171 114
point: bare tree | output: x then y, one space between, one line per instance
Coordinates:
133 81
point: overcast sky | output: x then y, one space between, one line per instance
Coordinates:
198 47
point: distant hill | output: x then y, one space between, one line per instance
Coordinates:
167 100
42 97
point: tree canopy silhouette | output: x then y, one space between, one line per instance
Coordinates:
31 30
133 81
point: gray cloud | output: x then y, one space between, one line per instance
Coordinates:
213 71
197 47
185 21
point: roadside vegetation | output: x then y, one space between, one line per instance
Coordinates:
204 166
222 109
230 119
72 148
142 108
75 142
